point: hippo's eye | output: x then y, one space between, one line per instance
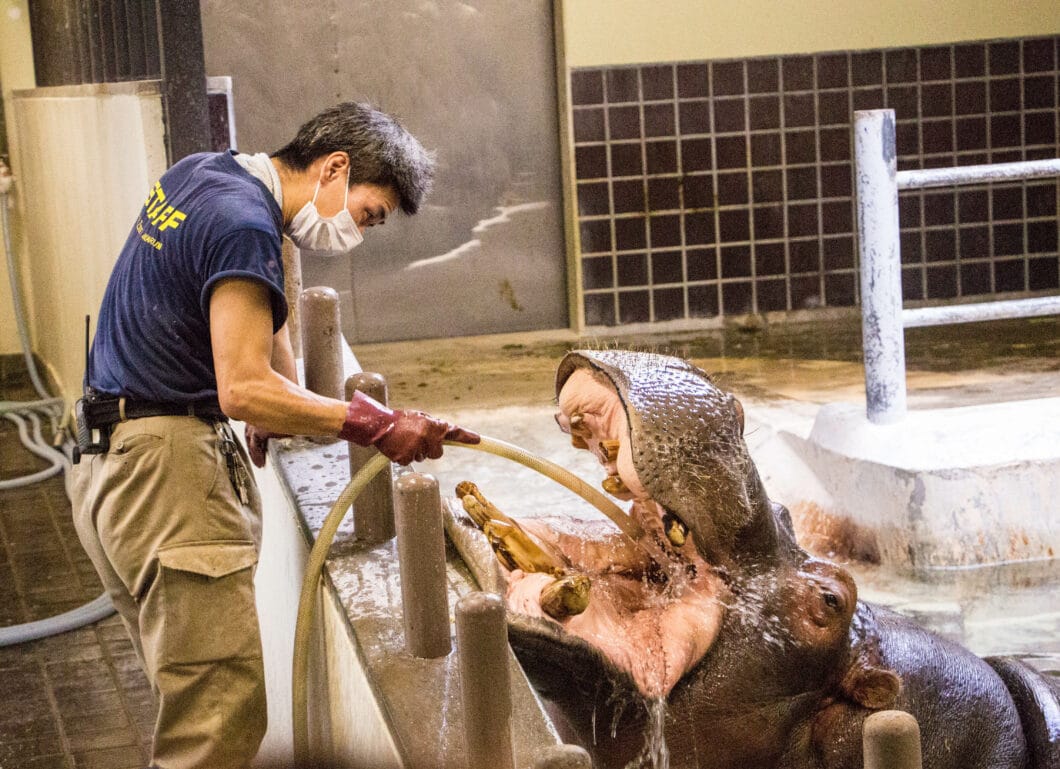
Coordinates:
832 600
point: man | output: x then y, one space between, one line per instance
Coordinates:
191 333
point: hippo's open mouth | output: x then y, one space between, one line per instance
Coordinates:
655 606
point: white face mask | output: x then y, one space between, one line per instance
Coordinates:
316 235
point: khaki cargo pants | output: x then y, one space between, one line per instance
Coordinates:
176 550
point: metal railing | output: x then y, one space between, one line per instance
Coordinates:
883 317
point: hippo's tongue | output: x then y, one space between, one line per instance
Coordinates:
653 621
648 619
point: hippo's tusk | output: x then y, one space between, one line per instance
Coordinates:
675 528
506 535
567 596
614 485
516 550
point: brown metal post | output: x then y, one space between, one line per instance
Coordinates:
563 757
322 341
482 646
183 65
373 510
421 554
891 740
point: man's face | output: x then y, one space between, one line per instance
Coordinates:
371 204
368 204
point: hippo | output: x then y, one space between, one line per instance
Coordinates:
714 640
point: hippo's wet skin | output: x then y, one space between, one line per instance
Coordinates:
764 655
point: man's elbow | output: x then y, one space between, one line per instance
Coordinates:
236 401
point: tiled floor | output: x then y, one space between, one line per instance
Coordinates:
78 700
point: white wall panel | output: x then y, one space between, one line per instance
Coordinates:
86 158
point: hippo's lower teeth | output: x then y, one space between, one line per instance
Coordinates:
514 548
566 597
613 485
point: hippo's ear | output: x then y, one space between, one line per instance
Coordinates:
739 413
871 686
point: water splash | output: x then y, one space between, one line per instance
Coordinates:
655 753
755 610
452 663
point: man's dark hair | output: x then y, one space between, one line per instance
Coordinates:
381 150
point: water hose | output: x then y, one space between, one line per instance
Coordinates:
36 445
18 412
319 552
87 614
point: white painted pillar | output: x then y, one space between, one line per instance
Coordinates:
883 341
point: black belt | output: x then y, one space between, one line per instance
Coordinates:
108 411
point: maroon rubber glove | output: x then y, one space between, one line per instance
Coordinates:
401 436
258 443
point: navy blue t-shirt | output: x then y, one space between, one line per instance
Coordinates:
204 220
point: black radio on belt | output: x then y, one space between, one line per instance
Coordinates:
93 432
94 418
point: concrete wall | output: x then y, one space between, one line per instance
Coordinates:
475 83
613 32
85 159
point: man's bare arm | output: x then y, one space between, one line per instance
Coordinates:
248 360
283 354
252 391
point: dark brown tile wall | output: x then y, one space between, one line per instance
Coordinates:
726 187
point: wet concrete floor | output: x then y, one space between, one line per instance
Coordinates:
80 700
818 362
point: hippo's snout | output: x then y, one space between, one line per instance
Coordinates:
679 442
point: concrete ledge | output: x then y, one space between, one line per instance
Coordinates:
943 489
941 439
418 700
